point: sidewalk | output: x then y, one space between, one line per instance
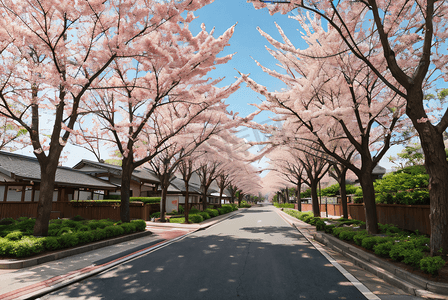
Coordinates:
353 257
32 281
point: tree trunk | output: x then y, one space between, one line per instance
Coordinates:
163 202
437 168
126 174
314 198
343 192
204 199
240 198
299 200
187 205
368 193
286 195
48 175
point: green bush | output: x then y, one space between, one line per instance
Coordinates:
212 212
83 228
27 246
244 204
84 237
146 200
432 265
388 229
398 250
177 220
129 227
99 234
26 225
412 257
70 223
68 240
155 215
284 205
347 235
369 242
320 225
181 209
14 236
5 246
140 225
329 228
204 215
54 228
7 221
52 243
337 231
110 231
383 249
77 218
193 211
195 218
360 236
65 230
307 219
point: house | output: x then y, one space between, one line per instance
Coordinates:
20 181
144 182
176 195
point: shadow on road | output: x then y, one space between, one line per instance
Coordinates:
221 267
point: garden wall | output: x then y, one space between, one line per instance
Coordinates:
65 209
409 217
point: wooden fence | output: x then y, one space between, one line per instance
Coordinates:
64 209
409 217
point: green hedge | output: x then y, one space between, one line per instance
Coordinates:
16 238
283 205
409 248
146 200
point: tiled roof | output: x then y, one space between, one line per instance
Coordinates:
28 168
141 174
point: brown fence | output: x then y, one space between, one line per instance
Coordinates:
410 217
64 209
333 209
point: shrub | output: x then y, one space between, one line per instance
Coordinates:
204 215
212 212
181 209
5 246
369 242
14 236
398 250
347 235
110 231
432 265
54 228
320 225
314 220
52 243
94 225
129 227
193 211
83 228
388 228
221 211
337 231
7 221
65 230
177 220
84 237
70 223
140 225
27 246
195 218
329 228
77 218
361 234
383 249
146 200
156 214
412 257
99 234
307 219
26 225
68 240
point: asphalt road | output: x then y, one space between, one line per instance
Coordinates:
253 255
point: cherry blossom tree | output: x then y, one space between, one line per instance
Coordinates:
410 36
53 52
336 98
169 74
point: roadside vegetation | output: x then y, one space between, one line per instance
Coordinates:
17 240
146 200
196 216
411 248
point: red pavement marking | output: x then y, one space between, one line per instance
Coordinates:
166 235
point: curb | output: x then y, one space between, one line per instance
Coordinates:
19 264
79 275
408 282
